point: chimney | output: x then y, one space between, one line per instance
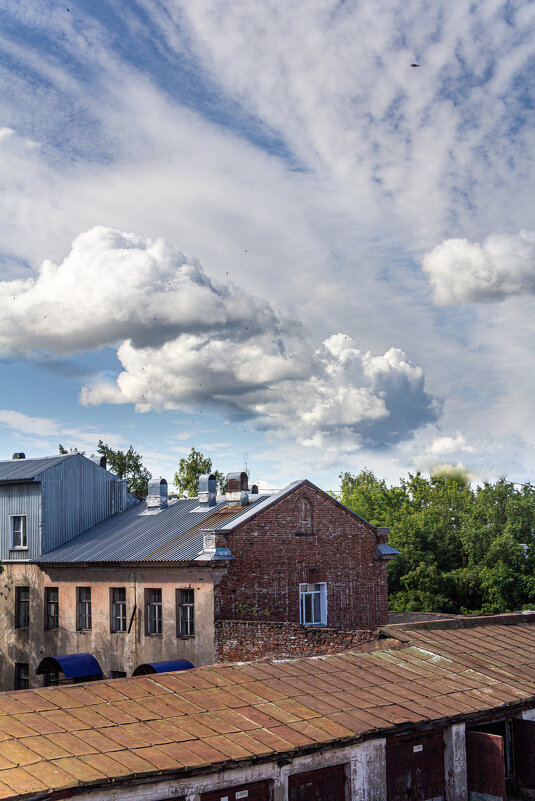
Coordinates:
19 456
254 489
207 490
157 495
100 461
237 489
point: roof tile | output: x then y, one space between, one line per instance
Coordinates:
22 782
82 771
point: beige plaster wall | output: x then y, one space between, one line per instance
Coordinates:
114 651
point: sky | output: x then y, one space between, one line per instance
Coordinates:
254 229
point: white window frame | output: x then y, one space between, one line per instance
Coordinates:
310 590
23 532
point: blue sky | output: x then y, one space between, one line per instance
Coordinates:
255 228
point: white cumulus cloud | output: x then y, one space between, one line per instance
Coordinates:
471 272
187 342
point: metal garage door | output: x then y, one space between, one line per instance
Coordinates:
485 765
259 791
327 784
415 769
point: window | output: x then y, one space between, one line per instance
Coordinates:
154 611
313 604
19 537
118 674
83 608
51 608
185 622
22 607
50 679
117 609
22 676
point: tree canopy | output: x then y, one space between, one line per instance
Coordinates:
462 549
192 466
127 464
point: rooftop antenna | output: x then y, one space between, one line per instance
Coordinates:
245 465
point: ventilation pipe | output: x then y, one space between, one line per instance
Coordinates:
157 495
207 491
237 493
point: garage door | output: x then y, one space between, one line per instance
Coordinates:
485 765
415 769
327 784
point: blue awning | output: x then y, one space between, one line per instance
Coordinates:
163 667
73 666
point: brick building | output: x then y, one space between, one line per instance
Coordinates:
240 576
302 557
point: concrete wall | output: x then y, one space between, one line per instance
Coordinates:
114 651
273 556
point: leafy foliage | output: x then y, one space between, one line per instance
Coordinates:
461 549
127 464
192 466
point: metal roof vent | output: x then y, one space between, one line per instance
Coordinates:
254 489
157 495
237 493
207 490
19 456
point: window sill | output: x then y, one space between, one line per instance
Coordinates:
153 634
19 548
84 631
119 631
185 636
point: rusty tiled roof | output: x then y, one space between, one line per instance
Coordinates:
106 732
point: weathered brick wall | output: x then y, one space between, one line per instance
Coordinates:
274 555
253 640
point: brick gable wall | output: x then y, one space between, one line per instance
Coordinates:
273 556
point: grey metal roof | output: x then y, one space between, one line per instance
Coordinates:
29 469
174 534
193 541
134 536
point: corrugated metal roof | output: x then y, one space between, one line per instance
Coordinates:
109 732
28 469
173 534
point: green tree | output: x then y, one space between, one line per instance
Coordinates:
192 466
127 464
461 549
